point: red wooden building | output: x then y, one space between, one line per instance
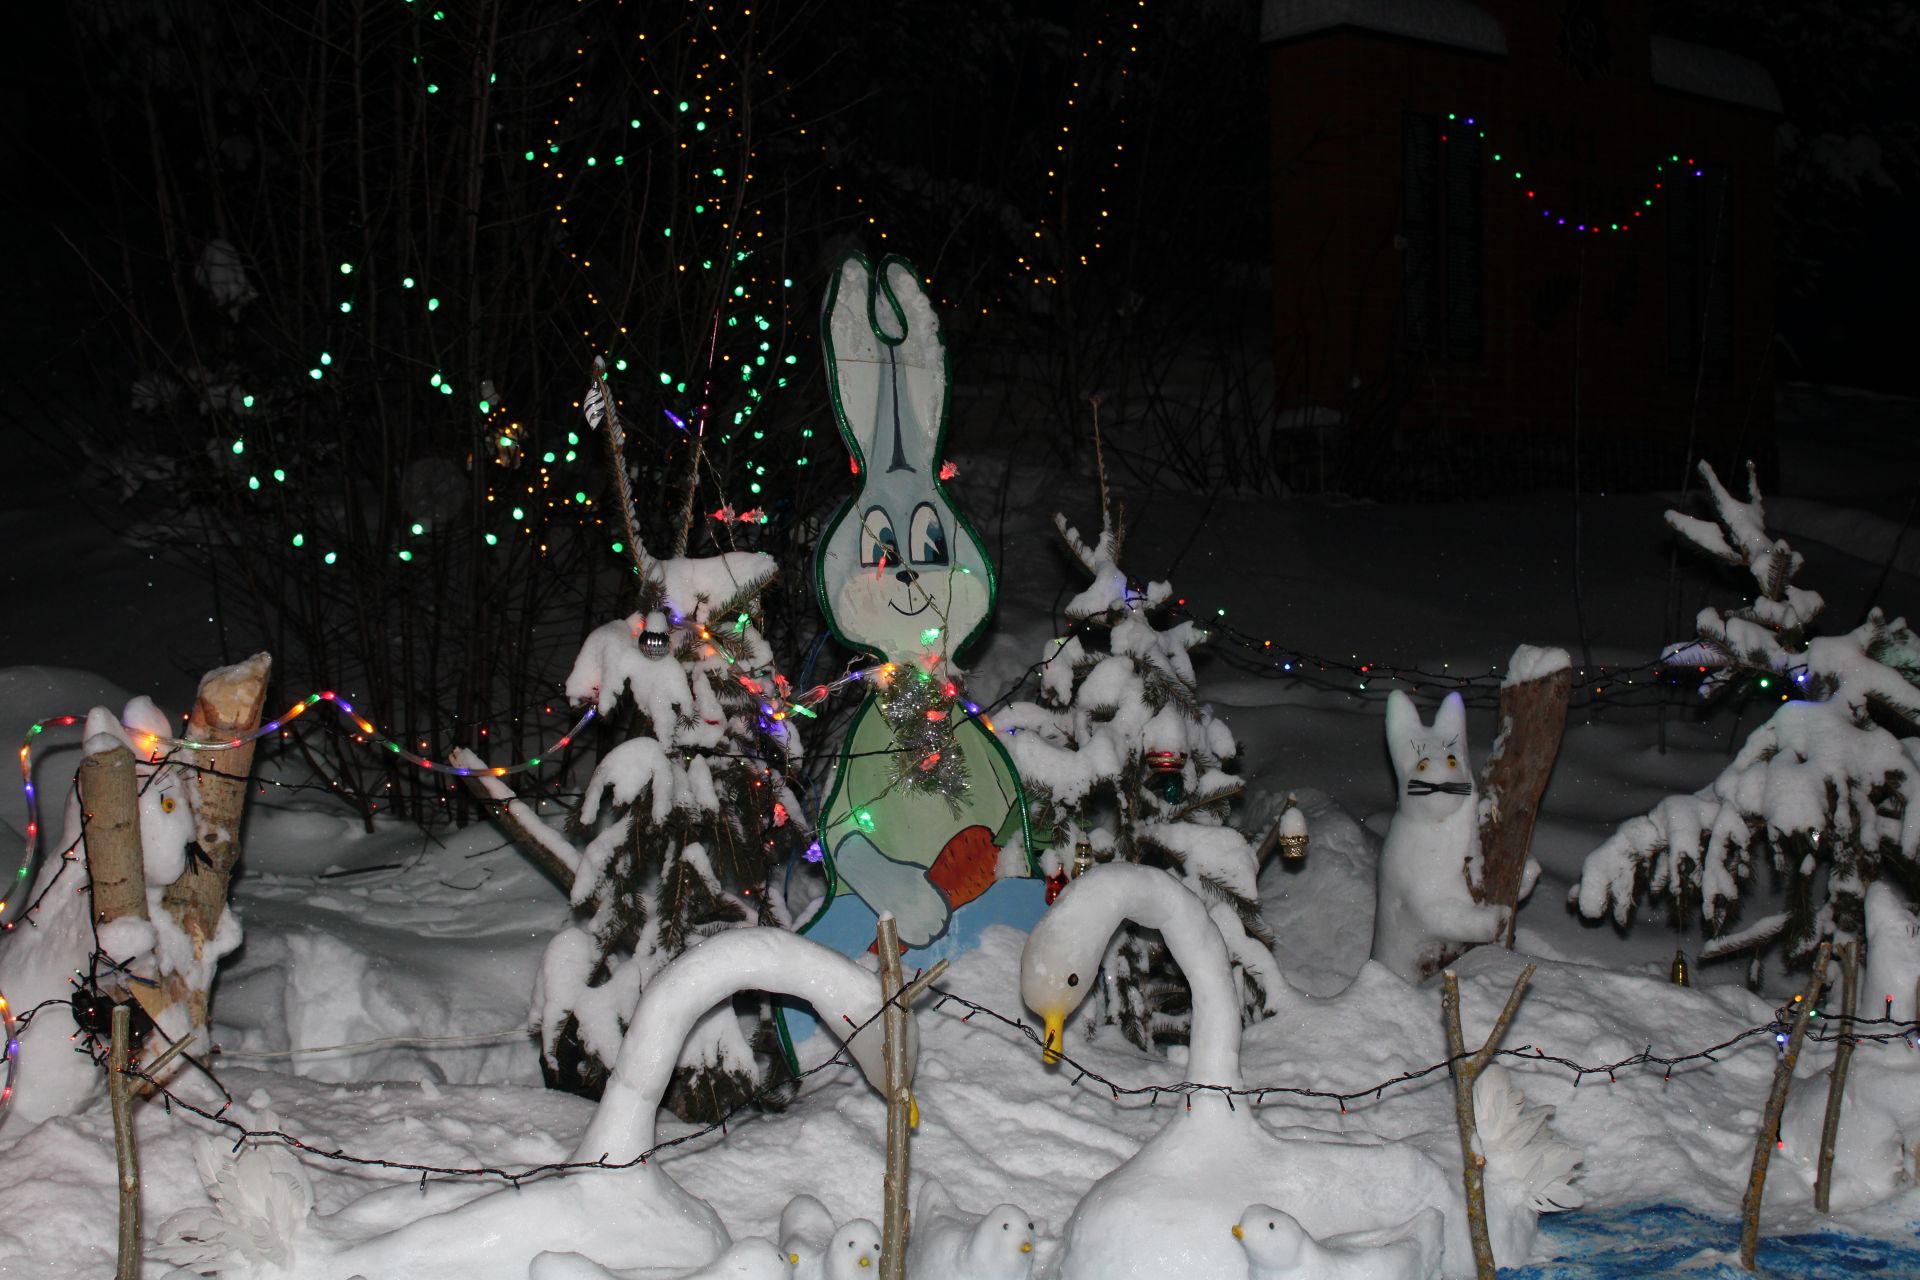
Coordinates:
1517 243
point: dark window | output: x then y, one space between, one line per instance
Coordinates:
1442 258
1699 302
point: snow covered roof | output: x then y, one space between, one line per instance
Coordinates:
1449 22
1713 73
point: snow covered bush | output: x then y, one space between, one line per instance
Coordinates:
1122 761
1820 791
686 819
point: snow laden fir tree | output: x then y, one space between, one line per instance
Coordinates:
684 819
1823 791
1123 762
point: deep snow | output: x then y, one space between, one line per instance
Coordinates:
354 937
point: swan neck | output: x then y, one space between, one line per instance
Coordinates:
1213 1035
624 1124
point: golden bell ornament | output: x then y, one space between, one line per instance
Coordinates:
1293 832
1681 974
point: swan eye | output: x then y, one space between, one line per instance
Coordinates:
1006 1226
1029 1226
1073 979
1269 1224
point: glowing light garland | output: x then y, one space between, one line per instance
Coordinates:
1687 167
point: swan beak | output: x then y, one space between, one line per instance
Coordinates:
913 1112
793 1259
1026 1246
1055 1039
1238 1234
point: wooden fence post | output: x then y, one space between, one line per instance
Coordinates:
1837 1087
1776 1106
898 997
1465 1071
227 707
1533 718
116 862
127 1158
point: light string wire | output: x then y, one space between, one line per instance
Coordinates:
1895 1029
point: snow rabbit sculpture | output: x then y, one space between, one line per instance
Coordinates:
1426 913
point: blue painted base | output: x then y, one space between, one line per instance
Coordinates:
847 926
1649 1242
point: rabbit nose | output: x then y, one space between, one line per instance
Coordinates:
907 576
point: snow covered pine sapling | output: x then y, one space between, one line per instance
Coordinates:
1123 762
686 818
1822 790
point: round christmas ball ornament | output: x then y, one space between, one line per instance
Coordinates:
654 640
1169 773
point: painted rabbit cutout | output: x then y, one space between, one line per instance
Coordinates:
925 801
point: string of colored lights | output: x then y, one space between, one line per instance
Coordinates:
1672 166
1255 1095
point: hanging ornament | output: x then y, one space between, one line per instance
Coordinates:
1082 859
1169 774
654 639
1293 832
1055 883
1681 974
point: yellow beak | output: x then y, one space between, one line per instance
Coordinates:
913 1112
1054 1042
1238 1234
793 1259
866 1262
1026 1246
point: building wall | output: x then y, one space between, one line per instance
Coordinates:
1575 359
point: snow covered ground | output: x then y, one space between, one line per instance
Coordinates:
354 938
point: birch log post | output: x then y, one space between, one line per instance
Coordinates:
1533 718
116 861
1837 1086
1776 1106
893 1022
120 1087
226 708
1466 1070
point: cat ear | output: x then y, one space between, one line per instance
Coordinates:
1450 725
1403 724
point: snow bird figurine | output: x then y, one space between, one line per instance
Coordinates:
925 817
1167 1212
818 1250
951 1244
1279 1248
1426 913
635 1216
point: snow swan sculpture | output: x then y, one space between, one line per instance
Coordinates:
1168 1211
1279 1248
755 1258
637 1216
949 1243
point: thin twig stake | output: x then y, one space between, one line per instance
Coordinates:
120 1092
1465 1071
893 1023
1837 1087
1776 1105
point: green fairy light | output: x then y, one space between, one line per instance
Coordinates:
253 482
434 381
433 88
571 455
701 127
446 388
486 406
519 513
493 539
316 374
530 154
246 402
754 487
508 442
406 282
418 528
620 366
406 556
592 162
547 456
580 497
666 231
863 819
573 437
802 462
666 379
346 308
325 358
685 105
330 557
346 268
433 304
634 123
618 547
930 636
239 446
299 539
280 474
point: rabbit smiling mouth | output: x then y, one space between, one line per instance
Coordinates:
911 613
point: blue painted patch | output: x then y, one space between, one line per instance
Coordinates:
1649 1242
847 926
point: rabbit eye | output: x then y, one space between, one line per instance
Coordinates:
166 804
1453 762
1422 766
927 538
877 543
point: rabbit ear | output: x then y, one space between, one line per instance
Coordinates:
1450 723
887 365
